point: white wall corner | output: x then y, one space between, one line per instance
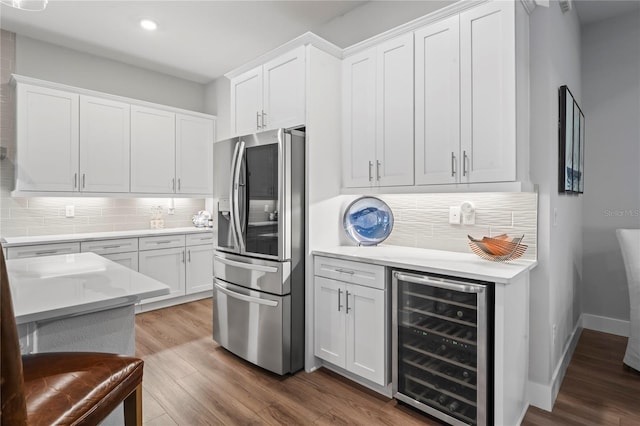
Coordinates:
544 395
543 3
529 5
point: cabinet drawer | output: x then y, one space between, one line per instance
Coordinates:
123 245
349 271
42 250
161 241
199 239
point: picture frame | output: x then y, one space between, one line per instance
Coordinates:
571 132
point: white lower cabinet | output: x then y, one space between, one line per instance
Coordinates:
199 269
166 266
350 320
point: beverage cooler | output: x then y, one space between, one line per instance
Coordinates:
443 346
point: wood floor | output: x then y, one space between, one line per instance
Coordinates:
190 380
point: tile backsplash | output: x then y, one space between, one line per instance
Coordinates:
422 220
46 216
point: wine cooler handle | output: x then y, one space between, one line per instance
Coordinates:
348 308
448 285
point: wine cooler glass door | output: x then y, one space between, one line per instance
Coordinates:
440 347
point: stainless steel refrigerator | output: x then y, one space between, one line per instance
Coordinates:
259 255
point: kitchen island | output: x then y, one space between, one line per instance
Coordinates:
77 302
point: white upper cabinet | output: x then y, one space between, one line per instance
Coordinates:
378 115
246 102
270 96
48 143
437 102
104 145
152 150
359 110
488 92
194 154
72 141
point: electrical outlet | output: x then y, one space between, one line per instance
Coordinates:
70 211
555 216
555 332
454 215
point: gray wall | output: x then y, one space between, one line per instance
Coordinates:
555 283
611 79
50 62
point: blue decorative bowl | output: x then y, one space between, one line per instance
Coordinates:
368 221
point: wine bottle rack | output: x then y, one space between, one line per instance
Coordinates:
438 350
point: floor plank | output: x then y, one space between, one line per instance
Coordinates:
190 380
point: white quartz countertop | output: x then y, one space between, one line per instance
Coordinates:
91 236
45 288
465 265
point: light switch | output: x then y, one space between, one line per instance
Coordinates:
454 215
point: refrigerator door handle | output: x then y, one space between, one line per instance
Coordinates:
243 265
246 298
235 189
447 285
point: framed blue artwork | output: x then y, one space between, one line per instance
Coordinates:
571 144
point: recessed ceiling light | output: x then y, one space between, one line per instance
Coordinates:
148 24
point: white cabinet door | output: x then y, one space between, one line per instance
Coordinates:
437 102
152 150
194 155
130 260
199 269
284 90
246 102
358 119
104 145
365 313
329 306
394 112
166 266
47 139
487 93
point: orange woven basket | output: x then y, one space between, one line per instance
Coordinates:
500 248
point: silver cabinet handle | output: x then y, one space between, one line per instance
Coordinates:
258 120
163 242
339 304
40 253
179 184
173 184
345 271
445 284
83 180
370 174
464 163
189 253
75 180
245 298
182 256
263 123
453 164
348 308
378 170
110 247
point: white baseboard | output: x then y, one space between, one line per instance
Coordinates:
544 395
605 324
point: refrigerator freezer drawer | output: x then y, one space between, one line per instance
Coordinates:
253 325
256 274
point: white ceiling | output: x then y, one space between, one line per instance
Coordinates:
195 40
